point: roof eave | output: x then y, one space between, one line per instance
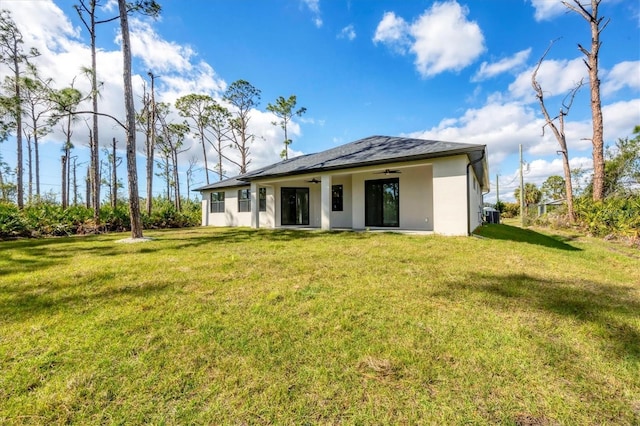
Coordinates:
368 163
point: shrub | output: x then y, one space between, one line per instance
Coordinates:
12 224
618 216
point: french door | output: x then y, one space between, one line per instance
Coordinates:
382 202
294 206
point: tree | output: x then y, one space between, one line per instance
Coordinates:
596 25
243 97
170 141
112 182
554 188
88 15
150 142
284 110
66 101
38 106
193 166
197 109
13 55
622 166
219 128
7 188
558 131
532 194
132 173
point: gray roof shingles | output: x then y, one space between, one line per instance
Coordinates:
368 151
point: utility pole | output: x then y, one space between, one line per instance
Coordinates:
521 190
497 189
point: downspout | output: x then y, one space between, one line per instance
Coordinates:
471 163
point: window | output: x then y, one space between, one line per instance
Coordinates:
382 202
244 200
262 199
336 198
294 206
217 202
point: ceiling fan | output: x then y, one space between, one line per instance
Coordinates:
314 180
388 172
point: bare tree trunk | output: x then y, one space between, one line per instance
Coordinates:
75 183
95 152
37 155
114 177
19 160
558 133
596 25
151 140
176 180
30 163
87 199
132 174
220 171
64 182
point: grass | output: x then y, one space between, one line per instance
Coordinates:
240 326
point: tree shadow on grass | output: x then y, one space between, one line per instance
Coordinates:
244 235
613 309
39 254
20 305
513 233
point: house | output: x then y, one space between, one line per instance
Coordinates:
378 182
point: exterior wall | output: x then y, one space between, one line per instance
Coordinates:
433 197
231 216
450 195
267 219
475 200
416 195
343 219
315 216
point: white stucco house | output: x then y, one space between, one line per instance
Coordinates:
378 182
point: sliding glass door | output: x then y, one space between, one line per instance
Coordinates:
382 202
294 206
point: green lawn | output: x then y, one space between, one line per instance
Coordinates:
240 326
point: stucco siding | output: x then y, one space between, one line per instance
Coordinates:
230 216
475 200
450 196
415 193
342 219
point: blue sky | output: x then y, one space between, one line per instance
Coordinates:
449 70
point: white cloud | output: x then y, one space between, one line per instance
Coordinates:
157 54
348 32
536 172
514 62
620 118
314 7
547 9
445 39
556 77
442 39
501 126
394 32
623 74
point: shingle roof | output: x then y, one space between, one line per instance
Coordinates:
226 183
364 152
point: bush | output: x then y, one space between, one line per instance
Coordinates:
510 210
12 224
165 215
47 218
616 216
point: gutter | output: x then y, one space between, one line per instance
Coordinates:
471 163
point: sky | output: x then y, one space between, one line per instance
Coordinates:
450 70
